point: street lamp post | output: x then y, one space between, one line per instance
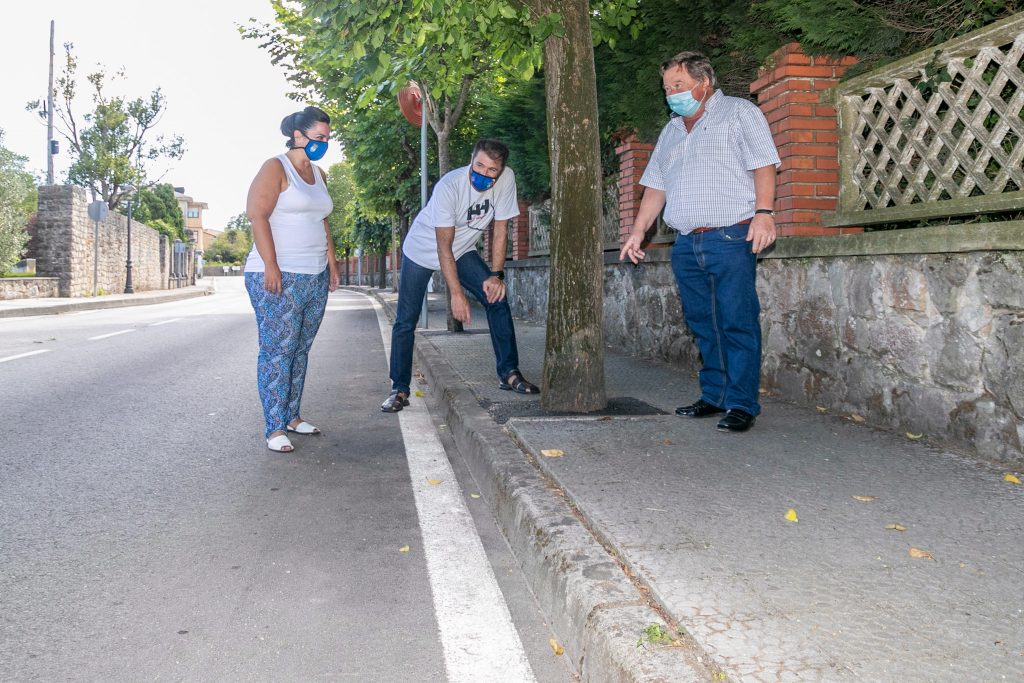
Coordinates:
128 289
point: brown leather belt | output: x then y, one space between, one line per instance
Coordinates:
697 231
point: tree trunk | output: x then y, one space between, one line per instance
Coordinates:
573 378
382 281
348 279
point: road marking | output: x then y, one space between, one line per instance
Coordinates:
24 355
164 322
112 334
479 640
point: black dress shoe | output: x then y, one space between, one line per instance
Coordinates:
736 420
699 409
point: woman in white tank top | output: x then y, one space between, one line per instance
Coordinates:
290 269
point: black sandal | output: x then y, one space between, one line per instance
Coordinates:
515 382
395 401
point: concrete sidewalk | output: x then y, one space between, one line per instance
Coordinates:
658 519
16 308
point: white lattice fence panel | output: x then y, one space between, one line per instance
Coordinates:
917 147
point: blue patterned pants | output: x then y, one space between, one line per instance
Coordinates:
287 324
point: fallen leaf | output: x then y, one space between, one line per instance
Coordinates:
404 549
667 442
556 647
895 527
552 453
914 437
864 499
419 393
821 409
1013 479
791 515
474 495
434 482
921 554
857 418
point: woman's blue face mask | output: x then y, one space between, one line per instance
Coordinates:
316 149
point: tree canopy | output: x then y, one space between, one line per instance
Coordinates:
18 199
115 144
158 208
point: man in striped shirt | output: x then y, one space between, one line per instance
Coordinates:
713 173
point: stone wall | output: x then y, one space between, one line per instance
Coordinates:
27 287
922 343
63 238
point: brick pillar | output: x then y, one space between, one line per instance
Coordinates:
519 227
633 158
792 91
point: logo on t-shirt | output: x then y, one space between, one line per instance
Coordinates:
478 210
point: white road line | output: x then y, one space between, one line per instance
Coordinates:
164 322
112 334
24 355
479 639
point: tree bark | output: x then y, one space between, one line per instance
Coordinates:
573 378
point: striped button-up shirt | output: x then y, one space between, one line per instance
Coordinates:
707 173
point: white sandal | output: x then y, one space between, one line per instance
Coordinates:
280 444
304 428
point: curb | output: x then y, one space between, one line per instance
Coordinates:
72 306
597 612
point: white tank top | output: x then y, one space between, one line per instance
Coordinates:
297 225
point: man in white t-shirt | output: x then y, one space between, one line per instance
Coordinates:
443 236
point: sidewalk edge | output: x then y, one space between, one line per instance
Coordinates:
593 607
71 306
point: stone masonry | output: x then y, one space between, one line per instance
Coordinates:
63 238
930 344
27 287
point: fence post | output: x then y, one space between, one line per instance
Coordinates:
795 92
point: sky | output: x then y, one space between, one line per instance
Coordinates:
223 95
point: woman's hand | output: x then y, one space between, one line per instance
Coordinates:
272 278
334 279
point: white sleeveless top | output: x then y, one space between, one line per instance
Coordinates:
297 225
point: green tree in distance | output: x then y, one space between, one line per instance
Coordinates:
115 143
157 207
18 199
230 247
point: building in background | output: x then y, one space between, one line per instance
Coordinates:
193 213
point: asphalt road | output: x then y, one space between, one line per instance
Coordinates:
146 533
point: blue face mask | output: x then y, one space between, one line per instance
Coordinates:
315 150
480 182
683 103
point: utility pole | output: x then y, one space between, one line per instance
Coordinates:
49 116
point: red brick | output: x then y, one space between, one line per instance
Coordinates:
793 161
827 163
806 217
826 110
794 58
813 204
812 123
827 190
808 176
826 137
814 150
807 230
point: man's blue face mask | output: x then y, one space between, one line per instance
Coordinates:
480 182
316 149
683 103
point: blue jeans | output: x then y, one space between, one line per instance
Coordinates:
287 324
716 272
412 286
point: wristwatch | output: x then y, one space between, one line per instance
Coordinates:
500 274
770 212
